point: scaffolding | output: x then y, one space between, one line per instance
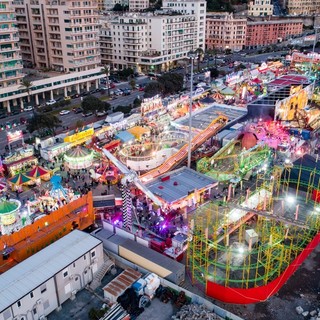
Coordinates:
222 249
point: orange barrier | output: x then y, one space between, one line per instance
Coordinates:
38 235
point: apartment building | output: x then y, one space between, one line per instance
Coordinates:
188 7
105 39
264 33
42 283
109 4
302 7
154 42
10 56
225 31
260 8
60 35
138 5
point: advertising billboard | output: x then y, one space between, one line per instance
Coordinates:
287 109
13 136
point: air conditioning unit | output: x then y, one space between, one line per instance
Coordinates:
71 277
74 292
43 317
39 301
95 260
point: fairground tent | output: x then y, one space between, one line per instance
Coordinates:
124 136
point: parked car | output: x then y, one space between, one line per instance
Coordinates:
78 110
101 113
87 114
117 92
28 108
63 112
51 102
66 98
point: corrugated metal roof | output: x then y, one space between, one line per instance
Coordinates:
181 182
32 272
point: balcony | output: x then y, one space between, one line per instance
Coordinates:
150 53
10 68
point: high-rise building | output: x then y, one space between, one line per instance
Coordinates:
154 41
10 56
260 8
225 31
60 35
189 7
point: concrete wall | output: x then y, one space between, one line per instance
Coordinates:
77 275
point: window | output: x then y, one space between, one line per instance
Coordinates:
34 310
19 304
74 264
31 294
93 254
65 273
84 257
43 288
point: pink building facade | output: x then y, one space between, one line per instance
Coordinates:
264 33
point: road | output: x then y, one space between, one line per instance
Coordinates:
70 119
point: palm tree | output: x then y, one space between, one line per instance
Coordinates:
200 54
106 71
26 85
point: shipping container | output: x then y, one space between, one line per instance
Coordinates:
152 261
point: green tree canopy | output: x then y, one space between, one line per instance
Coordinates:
125 73
153 88
172 82
214 73
92 104
43 121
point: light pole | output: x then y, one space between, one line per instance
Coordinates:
313 48
192 56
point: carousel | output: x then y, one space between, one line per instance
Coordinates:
9 214
78 158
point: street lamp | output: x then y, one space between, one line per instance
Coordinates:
313 48
192 56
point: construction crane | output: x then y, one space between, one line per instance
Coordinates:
130 176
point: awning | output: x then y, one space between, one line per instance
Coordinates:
111 145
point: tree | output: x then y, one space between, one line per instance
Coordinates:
200 54
136 102
26 85
214 73
117 7
92 104
79 124
106 71
41 122
132 83
125 73
171 82
153 88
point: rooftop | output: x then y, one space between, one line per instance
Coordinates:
176 185
202 118
26 276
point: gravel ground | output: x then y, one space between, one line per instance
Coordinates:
302 289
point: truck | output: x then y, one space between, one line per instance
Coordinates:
114 117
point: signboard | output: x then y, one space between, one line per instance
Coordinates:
14 136
287 109
151 106
80 135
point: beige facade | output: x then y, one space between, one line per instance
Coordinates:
154 42
10 56
303 7
137 5
42 283
59 35
260 8
225 31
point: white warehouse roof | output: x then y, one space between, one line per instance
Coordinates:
37 269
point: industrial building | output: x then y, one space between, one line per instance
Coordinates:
42 283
